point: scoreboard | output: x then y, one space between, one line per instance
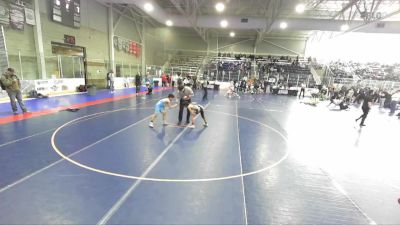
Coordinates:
67 12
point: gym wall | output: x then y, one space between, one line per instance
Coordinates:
190 43
161 43
93 35
21 43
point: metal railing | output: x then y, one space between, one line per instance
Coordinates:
350 82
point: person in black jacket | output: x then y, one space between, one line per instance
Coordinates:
138 82
108 80
366 106
204 85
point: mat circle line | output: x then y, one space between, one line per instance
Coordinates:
60 153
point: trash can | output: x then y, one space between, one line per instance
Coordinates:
292 92
91 90
155 83
216 87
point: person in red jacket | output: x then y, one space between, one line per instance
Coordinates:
164 79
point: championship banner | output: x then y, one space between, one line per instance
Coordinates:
128 46
4 14
138 51
17 17
30 16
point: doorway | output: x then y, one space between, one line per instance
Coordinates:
71 60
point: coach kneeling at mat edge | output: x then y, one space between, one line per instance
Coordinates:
185 95
12 85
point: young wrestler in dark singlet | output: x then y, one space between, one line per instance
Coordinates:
194 110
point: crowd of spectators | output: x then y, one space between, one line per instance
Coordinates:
229 64
345 96
365 71
262 65
291 70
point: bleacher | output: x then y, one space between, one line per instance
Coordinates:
187 64
236 67
226 68
292 71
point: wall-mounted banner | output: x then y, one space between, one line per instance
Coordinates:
4 14
30 16
57 85
128 46
17 17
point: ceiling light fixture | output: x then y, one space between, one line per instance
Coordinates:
148 7
169 23
300 8
283 25
224 23
232 34
344 27
220 6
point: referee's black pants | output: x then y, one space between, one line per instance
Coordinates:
363 116
182 105
205 97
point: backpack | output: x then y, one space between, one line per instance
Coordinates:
33 94
81 88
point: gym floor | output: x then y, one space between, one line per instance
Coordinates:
264 159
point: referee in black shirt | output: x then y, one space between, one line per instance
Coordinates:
185 95
366 106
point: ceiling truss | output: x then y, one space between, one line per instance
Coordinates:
272 10
190 11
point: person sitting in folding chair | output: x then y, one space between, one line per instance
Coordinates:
149 88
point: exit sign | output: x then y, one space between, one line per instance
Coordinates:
69 39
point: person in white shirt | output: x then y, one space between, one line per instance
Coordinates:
302 89
111 78
186 82
349 96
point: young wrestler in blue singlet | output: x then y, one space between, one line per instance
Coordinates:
160 108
